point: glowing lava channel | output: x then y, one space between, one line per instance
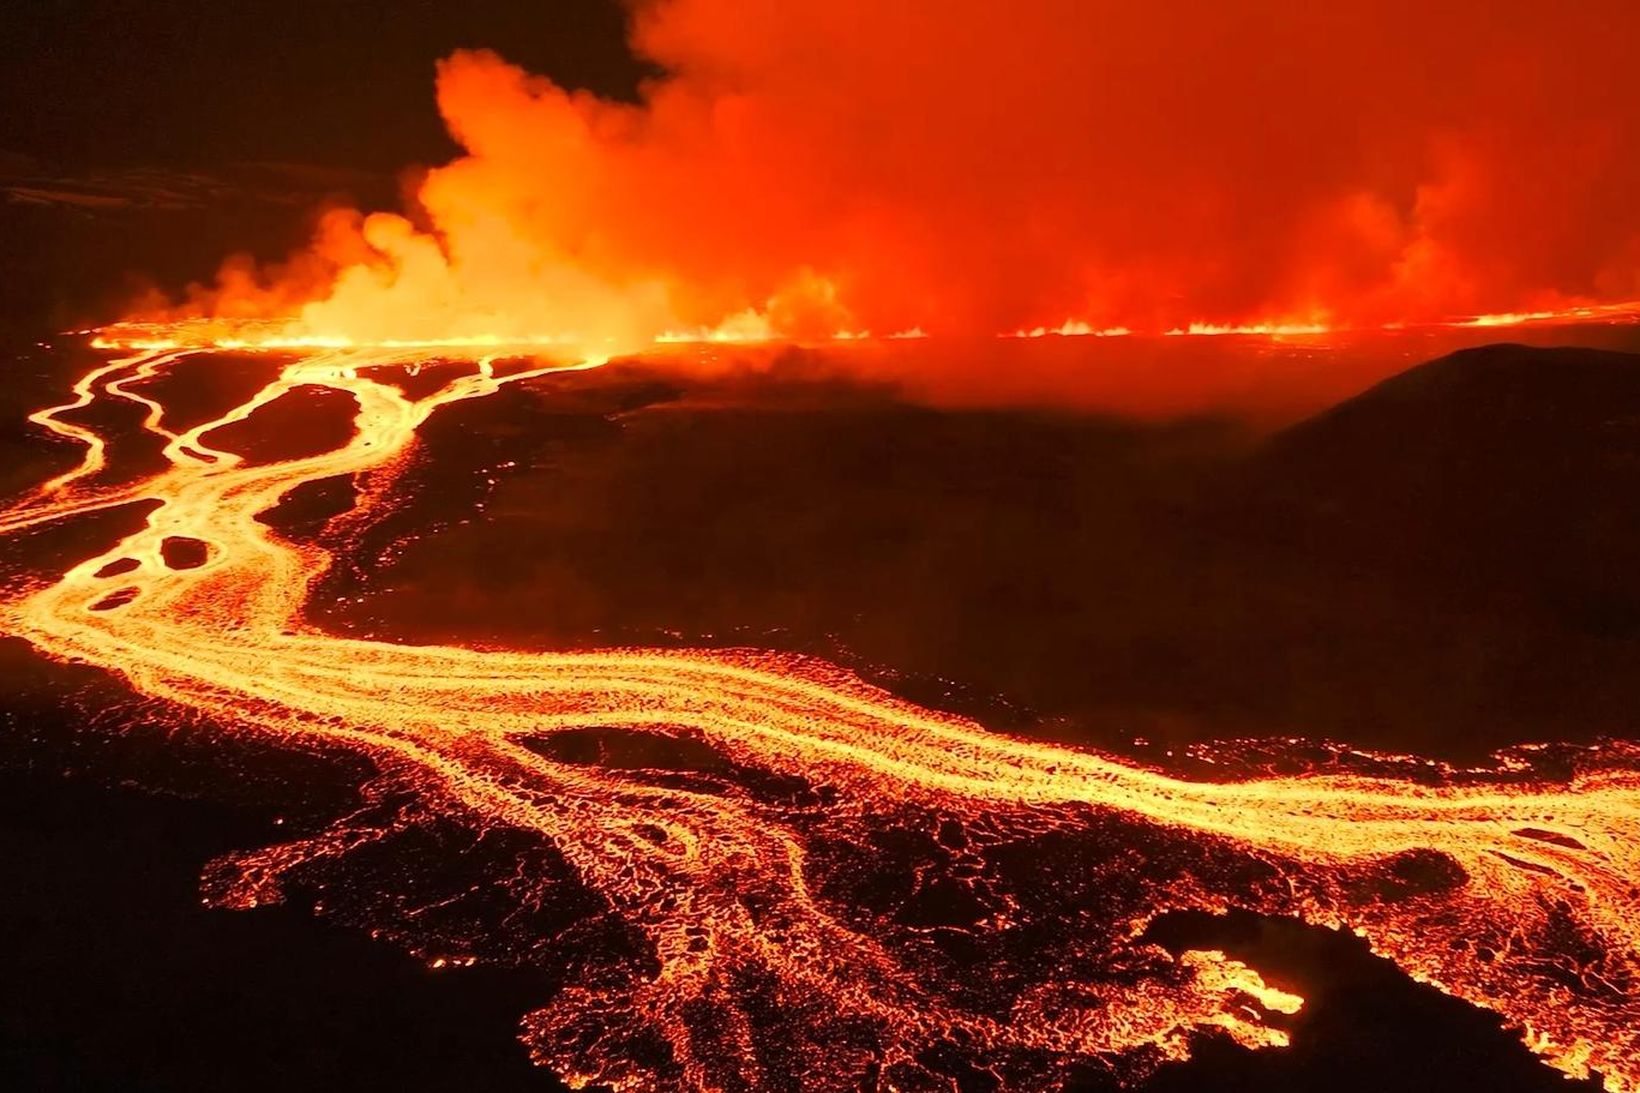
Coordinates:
718 884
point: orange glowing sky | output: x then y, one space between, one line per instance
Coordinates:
816 167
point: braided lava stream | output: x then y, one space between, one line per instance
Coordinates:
760 958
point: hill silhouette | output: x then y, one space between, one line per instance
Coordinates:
1442 565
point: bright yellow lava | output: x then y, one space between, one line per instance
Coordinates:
1542 924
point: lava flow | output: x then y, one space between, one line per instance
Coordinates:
761 955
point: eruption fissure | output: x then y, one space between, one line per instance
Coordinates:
759 966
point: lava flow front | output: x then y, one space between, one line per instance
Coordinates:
754 960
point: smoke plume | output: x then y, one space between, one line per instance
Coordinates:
810 167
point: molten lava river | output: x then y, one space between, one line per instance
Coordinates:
723 924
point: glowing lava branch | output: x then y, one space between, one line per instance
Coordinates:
94 458
1520 898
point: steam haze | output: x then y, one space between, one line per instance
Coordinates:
812 167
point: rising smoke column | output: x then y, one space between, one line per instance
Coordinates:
811 166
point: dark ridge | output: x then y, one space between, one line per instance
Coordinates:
52 549
1458 414
116 599
677 762
1549 837
117 567
1503 475
302 513
424 378
305 421
628 749
202 387
1407 875
1519 382
184 552
1530 866
1134 586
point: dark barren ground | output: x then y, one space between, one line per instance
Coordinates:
1442 566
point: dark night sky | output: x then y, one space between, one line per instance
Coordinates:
335 82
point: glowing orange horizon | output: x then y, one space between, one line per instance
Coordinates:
750 329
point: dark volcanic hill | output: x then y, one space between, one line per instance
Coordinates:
1505 477
1442 565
